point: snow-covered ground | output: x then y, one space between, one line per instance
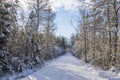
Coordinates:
67 67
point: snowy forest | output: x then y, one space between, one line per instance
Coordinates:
29 40
97 37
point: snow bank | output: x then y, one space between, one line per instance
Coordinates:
66 67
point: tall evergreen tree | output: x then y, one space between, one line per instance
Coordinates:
4 34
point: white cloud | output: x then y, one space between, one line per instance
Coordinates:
67 4
23 4
88 1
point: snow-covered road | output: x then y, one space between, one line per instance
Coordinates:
66 67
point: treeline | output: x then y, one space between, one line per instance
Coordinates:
27 41
98 39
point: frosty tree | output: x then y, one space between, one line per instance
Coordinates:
4 34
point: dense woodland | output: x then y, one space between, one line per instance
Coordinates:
98 34
27 41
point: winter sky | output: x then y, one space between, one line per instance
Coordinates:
66 10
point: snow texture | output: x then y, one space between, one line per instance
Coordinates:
68 67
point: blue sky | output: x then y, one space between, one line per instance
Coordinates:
66 10
63 18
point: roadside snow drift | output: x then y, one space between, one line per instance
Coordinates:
66 67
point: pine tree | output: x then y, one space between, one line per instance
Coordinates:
4 34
